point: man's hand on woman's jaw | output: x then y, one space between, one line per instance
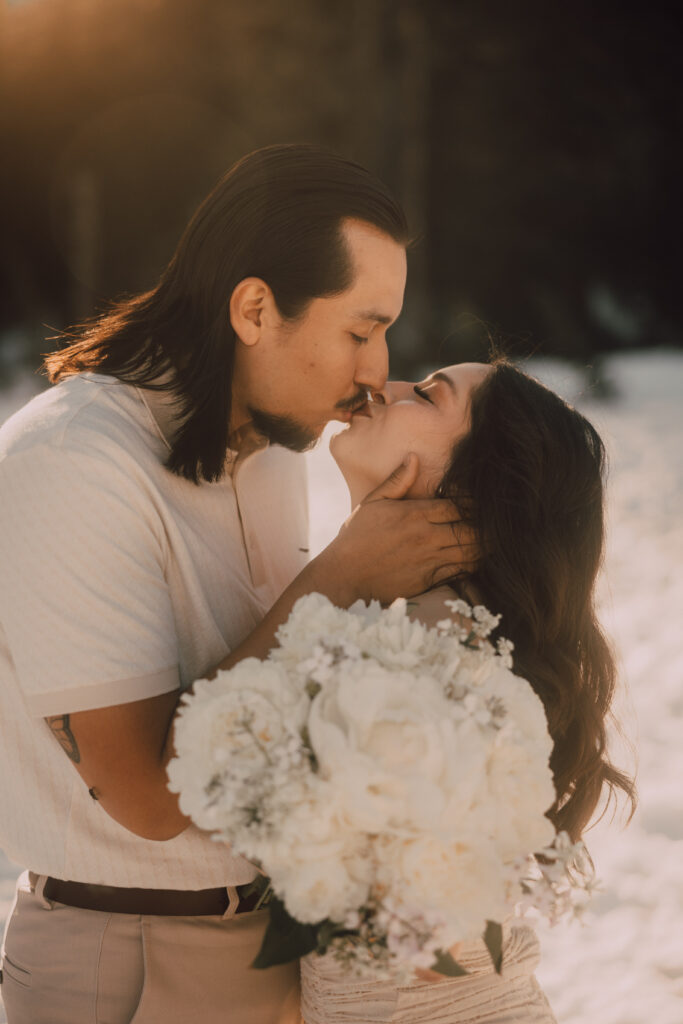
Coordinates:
392 546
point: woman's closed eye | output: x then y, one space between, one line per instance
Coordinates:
422 394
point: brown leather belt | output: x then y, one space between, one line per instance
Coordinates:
158 902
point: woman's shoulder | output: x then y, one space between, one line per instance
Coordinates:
431 607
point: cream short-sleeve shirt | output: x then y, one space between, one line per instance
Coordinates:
120 581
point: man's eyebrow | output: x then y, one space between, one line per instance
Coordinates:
371 314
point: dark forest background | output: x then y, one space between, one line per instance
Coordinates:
535 146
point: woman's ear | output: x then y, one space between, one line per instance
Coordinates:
249 302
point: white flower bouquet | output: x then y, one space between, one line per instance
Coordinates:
390 779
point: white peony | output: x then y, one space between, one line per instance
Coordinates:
395 747
460 881
317 865
321 886
380 772
520 780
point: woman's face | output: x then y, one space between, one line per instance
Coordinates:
426 418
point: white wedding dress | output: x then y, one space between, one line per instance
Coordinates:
330 996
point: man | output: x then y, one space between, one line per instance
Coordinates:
152 529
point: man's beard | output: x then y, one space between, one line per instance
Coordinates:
288 432
283 430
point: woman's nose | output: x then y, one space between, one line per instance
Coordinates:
373 365
392 391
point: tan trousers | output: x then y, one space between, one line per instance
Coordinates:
62 965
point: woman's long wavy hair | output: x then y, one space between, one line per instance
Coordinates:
276 215
528 479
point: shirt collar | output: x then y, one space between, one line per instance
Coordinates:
163 407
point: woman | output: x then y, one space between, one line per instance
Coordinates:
525 472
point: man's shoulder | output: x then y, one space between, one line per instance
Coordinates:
87 414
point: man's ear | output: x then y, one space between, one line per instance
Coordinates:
250 303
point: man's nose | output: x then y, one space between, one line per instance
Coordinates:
373 364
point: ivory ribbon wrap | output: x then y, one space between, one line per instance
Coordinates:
330 996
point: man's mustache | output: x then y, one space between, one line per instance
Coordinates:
353 404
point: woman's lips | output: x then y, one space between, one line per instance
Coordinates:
363 410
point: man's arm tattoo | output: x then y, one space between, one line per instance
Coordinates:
62 730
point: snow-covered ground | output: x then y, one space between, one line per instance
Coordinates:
626 965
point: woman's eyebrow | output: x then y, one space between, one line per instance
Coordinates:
445 379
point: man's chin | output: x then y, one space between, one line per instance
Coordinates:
285 431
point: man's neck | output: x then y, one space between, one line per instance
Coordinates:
240 422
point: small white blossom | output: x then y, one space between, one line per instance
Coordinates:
505 648
484 622
459 607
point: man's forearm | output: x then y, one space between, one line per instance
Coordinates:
313 579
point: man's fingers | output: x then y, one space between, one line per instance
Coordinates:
462 537
453 535
404 547
466 555
438 510
452 559
399 482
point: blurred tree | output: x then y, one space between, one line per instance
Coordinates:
535 149
542 172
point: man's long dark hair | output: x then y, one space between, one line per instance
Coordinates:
277 215
528 479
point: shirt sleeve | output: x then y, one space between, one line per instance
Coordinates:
84 602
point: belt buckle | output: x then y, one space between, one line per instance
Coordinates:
234 900
260 888
266 896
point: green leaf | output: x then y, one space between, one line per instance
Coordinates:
286 939
326 932
493 940
445 964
